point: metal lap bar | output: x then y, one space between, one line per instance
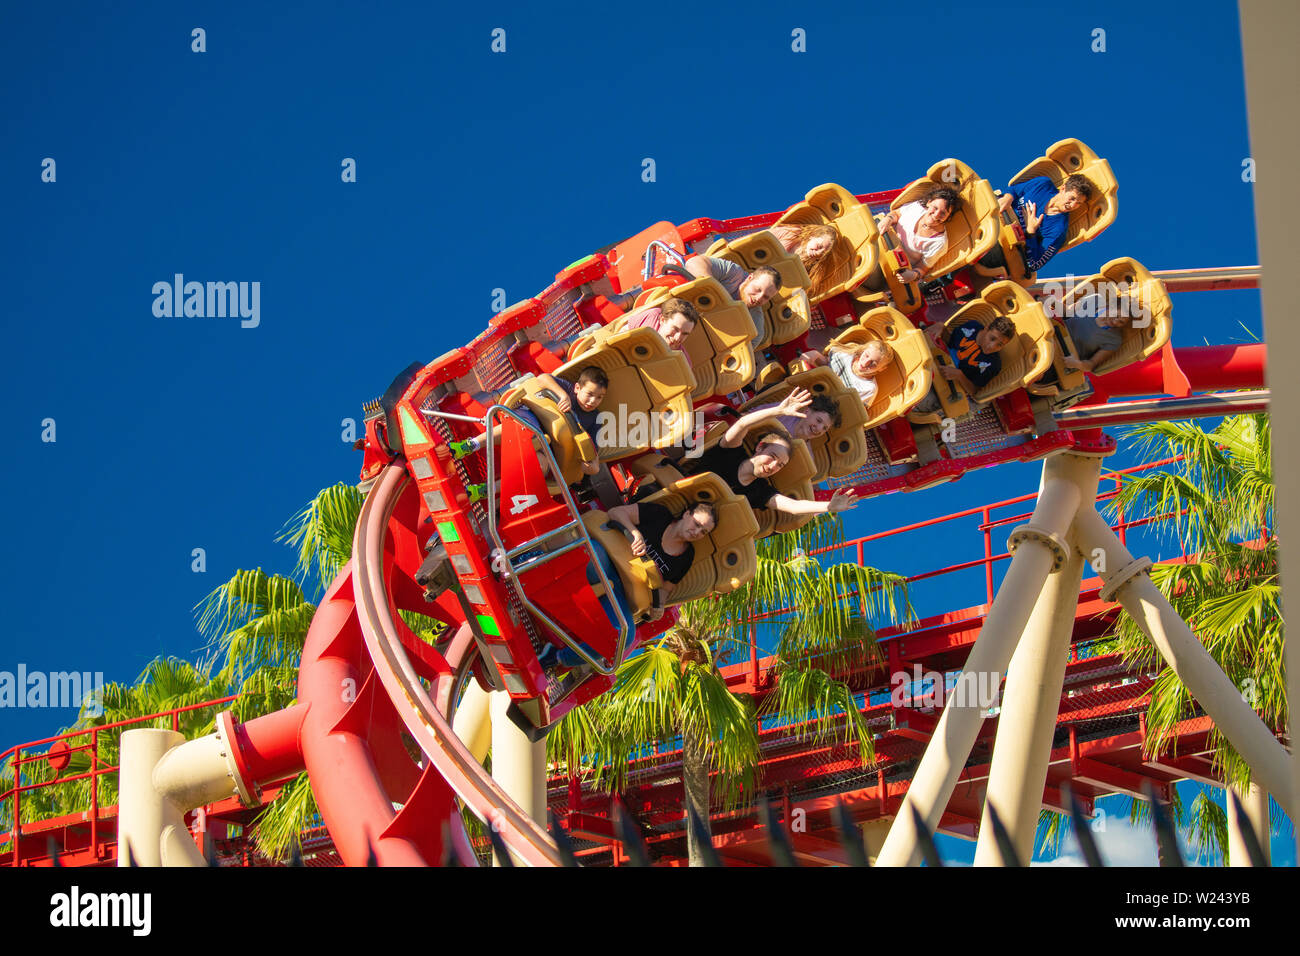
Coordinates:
669 252
1060 339
547 556
584 541
544 536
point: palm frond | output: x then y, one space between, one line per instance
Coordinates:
322 532
278 828
244 598
811 694
1207 831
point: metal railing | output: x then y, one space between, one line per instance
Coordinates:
97 768
989 560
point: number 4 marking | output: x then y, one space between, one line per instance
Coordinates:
522 503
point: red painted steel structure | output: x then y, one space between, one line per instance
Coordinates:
359 740
1098 689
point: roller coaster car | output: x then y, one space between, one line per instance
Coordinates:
1063 159
721 346
794 480
853 257
649 392
1027 356
905 380
837 451
973 230
725 558
789 314
570 444
1128 285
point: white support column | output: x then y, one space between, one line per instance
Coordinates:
1254 807
141 810
1128 582
1027 720
518 764
161 776
1268 32
472 722
1039 548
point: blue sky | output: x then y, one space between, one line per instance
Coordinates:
475 171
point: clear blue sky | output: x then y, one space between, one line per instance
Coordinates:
475 171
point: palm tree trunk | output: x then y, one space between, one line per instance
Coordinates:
695 788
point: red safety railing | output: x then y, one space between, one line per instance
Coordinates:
986 527
97 767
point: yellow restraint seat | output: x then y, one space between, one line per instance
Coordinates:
973 230
906 380
571 446
837 451
1065 158
853 257
1129 286
650 387
1025 357
793 481
721 346
725 559
789 314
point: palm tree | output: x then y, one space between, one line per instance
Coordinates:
673 688
1220 502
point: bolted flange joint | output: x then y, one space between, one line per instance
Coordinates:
1049 539
1117 581
249 792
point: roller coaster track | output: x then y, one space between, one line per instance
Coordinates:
384 804
356 771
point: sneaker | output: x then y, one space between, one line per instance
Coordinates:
463 449
548 658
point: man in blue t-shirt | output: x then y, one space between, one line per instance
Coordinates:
1044 214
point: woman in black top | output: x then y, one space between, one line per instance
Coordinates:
665 538
747 474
